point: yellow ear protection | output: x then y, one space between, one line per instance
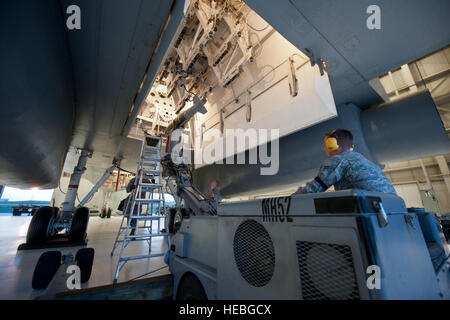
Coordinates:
331 144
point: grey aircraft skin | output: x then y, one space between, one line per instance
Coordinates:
63 88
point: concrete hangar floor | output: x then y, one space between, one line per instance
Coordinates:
16 267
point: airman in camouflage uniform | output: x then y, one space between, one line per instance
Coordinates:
347 169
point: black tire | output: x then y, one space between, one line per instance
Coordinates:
55 211
45 269
190 288
172 213
108 213
173 216
85 260
79 225
446 230
184 213
37 231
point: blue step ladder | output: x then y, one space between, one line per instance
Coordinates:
146 208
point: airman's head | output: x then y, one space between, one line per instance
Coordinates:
338 141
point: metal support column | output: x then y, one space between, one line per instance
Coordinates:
69 202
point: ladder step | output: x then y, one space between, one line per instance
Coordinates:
142 257
145 218
152 159
151 148
148 164
146 238
155 217
149 188
154 152
139 227
150 185
148 200
154 172
143 236
152 137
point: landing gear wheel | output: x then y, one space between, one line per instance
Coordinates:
190 288
79 224
102 213
37 231
85 260
108 214
45 269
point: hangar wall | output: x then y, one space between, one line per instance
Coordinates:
410 178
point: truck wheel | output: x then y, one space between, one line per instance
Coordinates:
446 231
190 288
45 269
172 213
79 225
175 219
85 260
37 231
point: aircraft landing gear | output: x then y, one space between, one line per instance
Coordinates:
39 225
70 222
79 224
44 226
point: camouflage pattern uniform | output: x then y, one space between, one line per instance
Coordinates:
349 170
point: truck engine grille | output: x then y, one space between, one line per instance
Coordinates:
326 271
254 253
